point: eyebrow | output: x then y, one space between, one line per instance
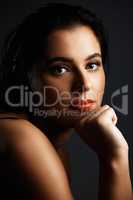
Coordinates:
66 59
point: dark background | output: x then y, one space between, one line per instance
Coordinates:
118 19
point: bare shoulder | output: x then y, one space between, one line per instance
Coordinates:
23 137
34 153
17 126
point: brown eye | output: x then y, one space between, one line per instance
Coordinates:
58 70
93 66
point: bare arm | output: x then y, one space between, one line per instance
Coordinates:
37 159
114 178
99 131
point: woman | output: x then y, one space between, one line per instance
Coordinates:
53 79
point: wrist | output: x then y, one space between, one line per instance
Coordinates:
117 157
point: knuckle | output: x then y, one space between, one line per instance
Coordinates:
106 106
112 110
99 119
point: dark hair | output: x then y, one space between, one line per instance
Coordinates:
23 46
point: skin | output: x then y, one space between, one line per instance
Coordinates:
82 76
97 128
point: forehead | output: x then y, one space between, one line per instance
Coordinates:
75 42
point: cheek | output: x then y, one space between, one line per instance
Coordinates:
56 90
99 86
61 83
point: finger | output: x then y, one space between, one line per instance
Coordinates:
114 119
95 113
109 115
99 111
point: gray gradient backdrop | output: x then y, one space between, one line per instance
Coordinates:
118 18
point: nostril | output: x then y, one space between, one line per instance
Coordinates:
81 84
80 88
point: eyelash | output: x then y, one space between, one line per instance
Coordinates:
53 69
95 63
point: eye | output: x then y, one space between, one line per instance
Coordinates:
58 69
93 66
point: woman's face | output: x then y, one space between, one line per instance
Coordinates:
72 68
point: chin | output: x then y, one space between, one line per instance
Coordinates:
69 117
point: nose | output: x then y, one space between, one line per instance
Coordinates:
82 81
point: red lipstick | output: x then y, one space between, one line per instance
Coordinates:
86 104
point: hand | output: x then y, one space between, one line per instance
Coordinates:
98 129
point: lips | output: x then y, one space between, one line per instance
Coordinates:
83 104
